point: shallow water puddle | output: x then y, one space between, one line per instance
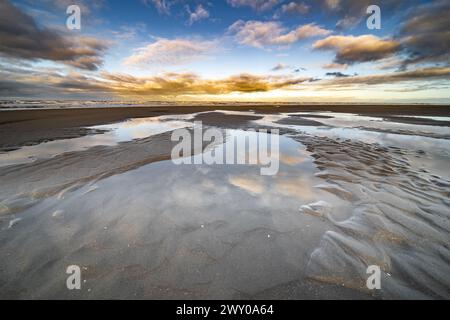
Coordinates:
164 230
128 130
354 127
346 120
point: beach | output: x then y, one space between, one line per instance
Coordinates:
34 126
358 185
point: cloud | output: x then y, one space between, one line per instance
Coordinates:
337 74
292 8
22 38
37 83
171 52
295 8
258 5
43 83
425 34
163 6
351 12
280 66
259 34
332 4
423 38
300 69
86 6
348 22
174 84
351 49
395 77
199 14
334 65
357 8
171 84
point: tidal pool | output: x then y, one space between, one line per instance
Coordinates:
111 135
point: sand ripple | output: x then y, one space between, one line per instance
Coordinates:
400 220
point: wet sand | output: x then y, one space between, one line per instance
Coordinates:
351 192
27 127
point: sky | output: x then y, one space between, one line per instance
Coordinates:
227 50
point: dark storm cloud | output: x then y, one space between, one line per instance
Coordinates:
14 88
425 35
423 38
22 38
